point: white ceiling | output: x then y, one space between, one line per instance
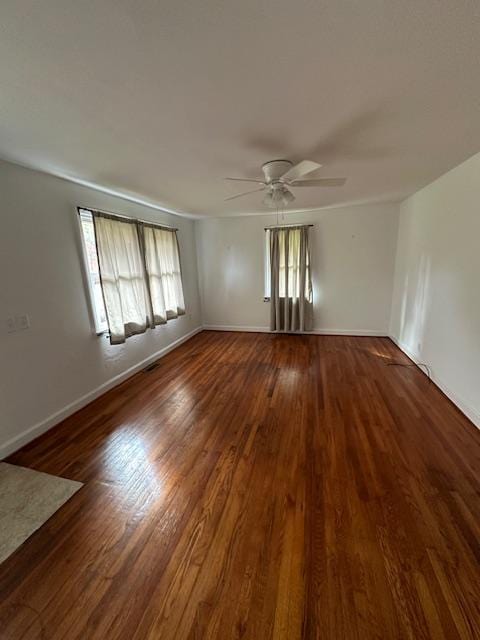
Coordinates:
160 100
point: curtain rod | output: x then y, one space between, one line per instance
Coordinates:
119 215
284 226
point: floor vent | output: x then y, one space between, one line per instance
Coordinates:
151 367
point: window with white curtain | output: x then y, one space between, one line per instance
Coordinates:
137 283
290 271
162 259
291 295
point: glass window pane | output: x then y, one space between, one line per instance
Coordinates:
88 231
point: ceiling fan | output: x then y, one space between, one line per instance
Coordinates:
280 176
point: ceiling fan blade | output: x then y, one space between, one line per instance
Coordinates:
300 169
245 193
245 180
320 182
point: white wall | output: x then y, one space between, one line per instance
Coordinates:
436 299
57 365
353 255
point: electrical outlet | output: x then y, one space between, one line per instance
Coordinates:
11 326
22 322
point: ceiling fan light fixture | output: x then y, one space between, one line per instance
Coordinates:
268 200
276 198
288 197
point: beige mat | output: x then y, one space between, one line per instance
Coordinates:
27 499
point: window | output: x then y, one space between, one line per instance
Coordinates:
164 275
267 272
93 274
288 274
134 273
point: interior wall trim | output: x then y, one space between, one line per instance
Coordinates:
320 331
41 427
470 412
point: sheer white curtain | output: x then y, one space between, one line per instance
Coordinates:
140 274
162 260
291 307
122 272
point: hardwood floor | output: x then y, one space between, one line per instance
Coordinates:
257 486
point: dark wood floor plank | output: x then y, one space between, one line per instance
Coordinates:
256 487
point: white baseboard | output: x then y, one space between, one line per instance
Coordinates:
41 427
225 327
373 333
322 332
471 413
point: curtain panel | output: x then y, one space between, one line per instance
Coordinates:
291 297
140 274
162 264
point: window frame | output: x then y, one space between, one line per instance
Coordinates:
100 328
267 273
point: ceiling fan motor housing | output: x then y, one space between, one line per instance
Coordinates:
274 169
